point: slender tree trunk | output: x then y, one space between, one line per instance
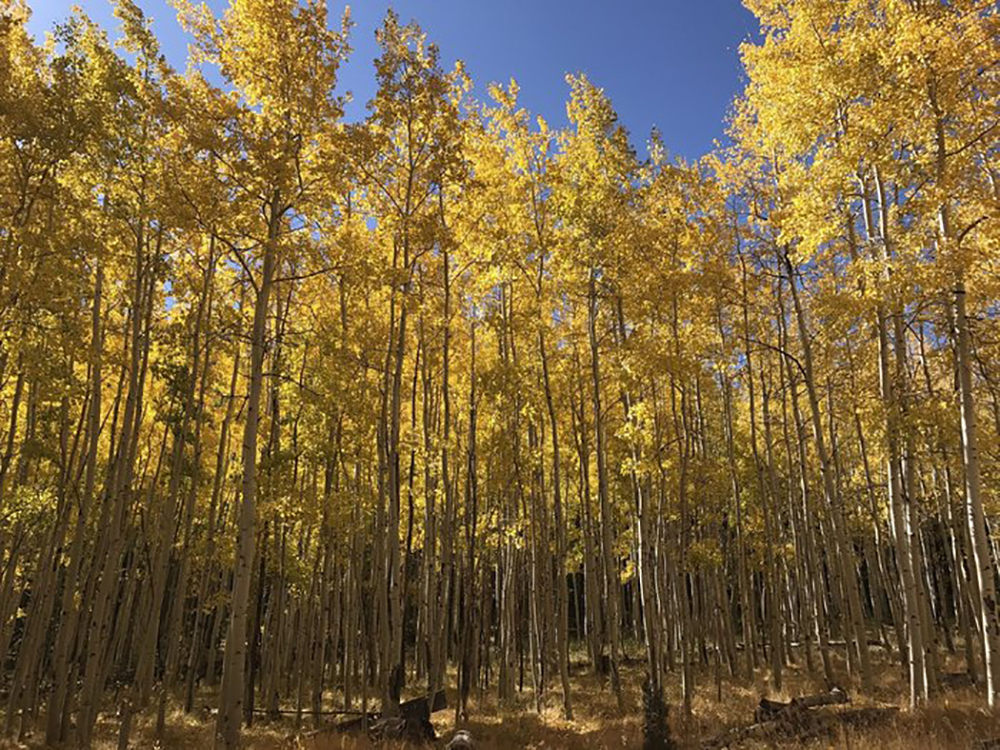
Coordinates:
230 714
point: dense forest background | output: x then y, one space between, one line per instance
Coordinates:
305 414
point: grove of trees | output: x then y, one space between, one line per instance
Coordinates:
319 413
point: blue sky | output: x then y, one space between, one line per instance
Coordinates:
669 63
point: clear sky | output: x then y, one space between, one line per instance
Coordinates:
669 63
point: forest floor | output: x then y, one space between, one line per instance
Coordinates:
955 721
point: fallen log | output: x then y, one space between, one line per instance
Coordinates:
414 710
769 710
806 725
955 680
804 718
759 731
864 718
305 712
835 644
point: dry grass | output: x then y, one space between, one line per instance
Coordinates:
953 722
